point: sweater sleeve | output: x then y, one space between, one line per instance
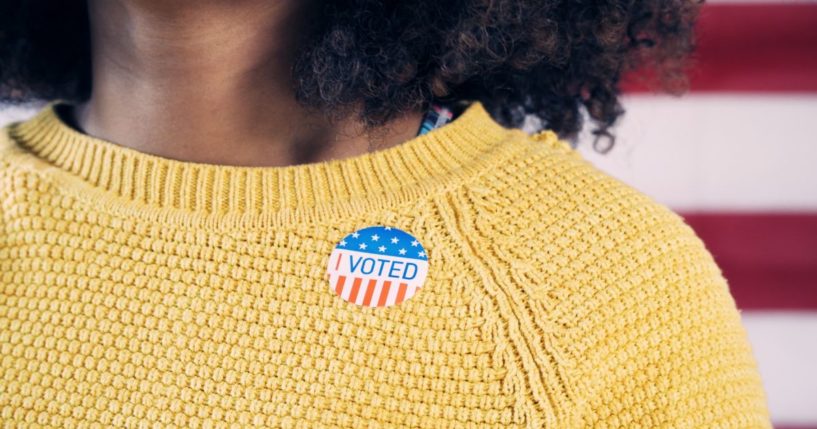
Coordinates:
659 338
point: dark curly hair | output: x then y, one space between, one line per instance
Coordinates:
551 59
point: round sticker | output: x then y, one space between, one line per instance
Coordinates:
377 266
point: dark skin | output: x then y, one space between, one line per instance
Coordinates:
209 82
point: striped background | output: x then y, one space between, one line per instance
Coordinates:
738 158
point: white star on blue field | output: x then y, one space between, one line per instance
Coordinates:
384 240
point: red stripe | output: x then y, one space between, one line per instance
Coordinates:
754 47
339 285
384 294
401 293
369 292
355 289
770 260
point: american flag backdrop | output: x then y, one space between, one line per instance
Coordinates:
737 157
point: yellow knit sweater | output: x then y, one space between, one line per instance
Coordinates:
141 291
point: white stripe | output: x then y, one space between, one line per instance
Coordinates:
361 292
392 297
376 295
785 345
718 151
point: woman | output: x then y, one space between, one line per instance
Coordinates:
325 214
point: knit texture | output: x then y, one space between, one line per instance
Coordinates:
140 291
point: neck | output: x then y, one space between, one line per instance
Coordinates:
210 82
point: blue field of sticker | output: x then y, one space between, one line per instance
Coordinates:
384 240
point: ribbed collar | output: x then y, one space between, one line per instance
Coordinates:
461 148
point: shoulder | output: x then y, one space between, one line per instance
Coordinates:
8 151
630 294
12 156
21 174
6 143
581 241
554 207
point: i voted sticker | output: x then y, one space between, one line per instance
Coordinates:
377 266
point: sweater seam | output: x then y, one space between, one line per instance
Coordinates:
464 244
